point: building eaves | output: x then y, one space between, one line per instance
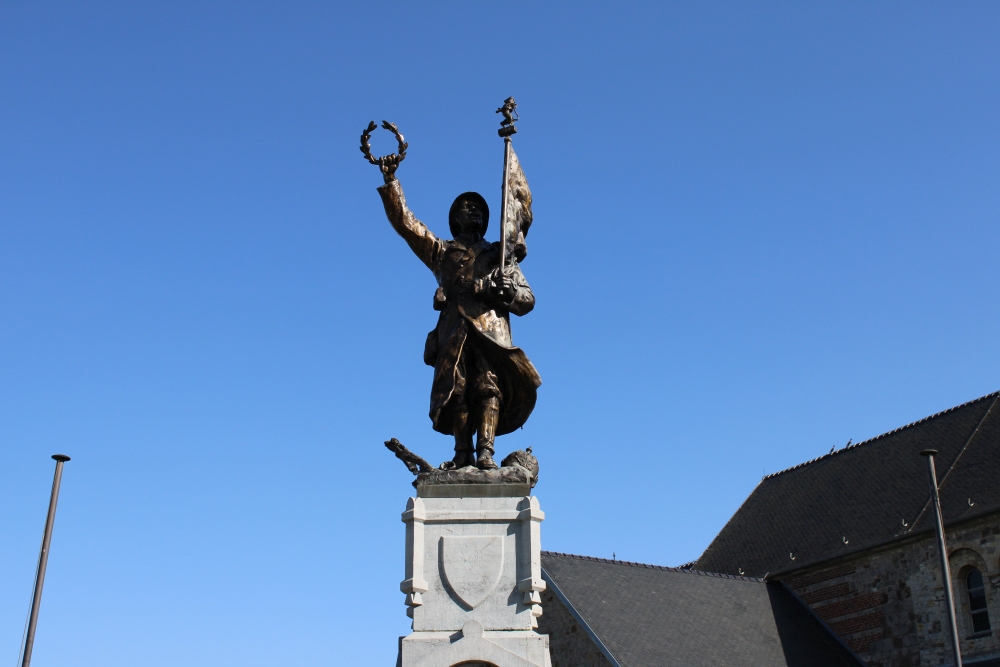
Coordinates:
870 441
864 496
685 570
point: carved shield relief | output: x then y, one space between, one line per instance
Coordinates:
471 566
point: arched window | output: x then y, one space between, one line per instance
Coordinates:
977 601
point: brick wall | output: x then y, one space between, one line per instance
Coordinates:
569 645
888 605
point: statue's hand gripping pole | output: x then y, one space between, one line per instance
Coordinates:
387 164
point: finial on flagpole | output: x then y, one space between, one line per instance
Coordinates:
509 111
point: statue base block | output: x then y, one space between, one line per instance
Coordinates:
473 573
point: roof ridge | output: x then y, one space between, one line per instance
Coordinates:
629 563
883 435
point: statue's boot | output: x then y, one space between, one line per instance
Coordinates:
489 416
464 454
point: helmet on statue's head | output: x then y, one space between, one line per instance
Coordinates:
472 197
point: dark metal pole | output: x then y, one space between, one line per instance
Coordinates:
949 598
43 560
503 204
506 130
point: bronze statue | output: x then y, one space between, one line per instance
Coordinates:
482 384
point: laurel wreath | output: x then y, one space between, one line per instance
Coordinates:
387 163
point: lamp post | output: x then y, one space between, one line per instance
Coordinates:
43 560
949 598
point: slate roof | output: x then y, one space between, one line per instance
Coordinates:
652 616
865 495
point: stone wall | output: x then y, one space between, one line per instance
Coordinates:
569 644
888 604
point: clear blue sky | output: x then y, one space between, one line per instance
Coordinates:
760 230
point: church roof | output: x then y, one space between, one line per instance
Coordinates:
652 616
865 495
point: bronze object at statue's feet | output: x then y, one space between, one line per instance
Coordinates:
522 460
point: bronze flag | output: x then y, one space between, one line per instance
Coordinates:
519 215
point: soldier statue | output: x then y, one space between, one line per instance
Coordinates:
483 384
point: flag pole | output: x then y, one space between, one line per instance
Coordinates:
43 560
503 204
506 130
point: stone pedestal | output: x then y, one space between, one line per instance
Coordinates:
473 571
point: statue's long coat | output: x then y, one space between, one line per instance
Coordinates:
468 319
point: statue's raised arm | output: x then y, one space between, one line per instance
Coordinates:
421 240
